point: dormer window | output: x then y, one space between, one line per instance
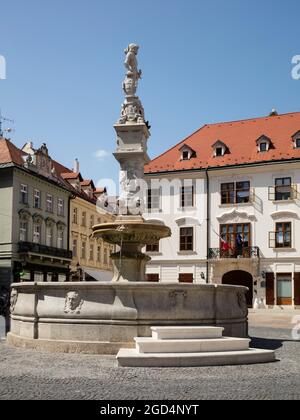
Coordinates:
263 147
220 149
264 144
296 140
187 153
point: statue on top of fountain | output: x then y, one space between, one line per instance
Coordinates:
132 108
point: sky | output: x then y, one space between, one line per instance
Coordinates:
203 62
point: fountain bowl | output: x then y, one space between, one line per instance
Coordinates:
102 318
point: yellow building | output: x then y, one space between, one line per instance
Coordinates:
91 257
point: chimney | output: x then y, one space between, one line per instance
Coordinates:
76 166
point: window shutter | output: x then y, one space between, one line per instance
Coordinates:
297 288
186 278
270 289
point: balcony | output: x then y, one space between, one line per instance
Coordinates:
284 193
31 248
245 253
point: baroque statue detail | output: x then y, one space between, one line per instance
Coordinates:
132 108
73 303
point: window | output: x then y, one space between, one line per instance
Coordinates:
37 199
83 219
297 143
91 252
284 289
92 222
235 193
154 248
83 250
49 235
60 207
49 203
99 254
186 278
187 239
187 197
24 194
283 189
185 155
60 238
23 231
75 248
154 199
263 147
242 192
152 278
37 229
283 235
228 193
235 240
219 151
75 216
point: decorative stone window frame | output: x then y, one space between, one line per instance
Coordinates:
24 217
187 153
219 145
264 140
296 139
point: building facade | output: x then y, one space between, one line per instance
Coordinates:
34 213
230 194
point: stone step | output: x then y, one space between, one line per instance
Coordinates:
131 358
181 333
150 345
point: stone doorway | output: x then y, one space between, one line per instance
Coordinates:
240 278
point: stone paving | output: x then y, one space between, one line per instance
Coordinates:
29 375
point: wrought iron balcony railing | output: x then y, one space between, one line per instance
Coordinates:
27 247
284 193
245 252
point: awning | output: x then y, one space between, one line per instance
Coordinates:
99 275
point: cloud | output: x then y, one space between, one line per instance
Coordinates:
101 154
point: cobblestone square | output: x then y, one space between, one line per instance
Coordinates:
30 375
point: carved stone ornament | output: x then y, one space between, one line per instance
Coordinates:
178 298
73 303
13 300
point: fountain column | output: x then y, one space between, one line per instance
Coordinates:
130 231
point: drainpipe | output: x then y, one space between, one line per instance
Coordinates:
207 224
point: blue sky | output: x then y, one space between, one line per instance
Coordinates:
202 62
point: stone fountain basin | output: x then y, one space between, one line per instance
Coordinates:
132 230
105 317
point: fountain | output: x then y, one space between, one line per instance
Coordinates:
102 318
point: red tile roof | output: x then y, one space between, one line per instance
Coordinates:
71 175
240 138
9 153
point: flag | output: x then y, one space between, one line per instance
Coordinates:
225 246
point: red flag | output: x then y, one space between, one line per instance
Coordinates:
225 245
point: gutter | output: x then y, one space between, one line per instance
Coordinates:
222 168
207 224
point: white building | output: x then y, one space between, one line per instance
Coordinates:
230 195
